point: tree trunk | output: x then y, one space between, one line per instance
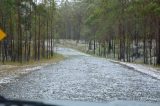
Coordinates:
39 39
158 52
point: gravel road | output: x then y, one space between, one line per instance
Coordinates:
82 77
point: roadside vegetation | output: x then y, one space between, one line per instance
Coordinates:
127 30
55 58
29 25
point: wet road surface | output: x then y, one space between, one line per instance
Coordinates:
82 77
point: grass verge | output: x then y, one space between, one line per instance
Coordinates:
55 58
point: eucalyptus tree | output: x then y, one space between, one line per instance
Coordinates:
125 29
25 22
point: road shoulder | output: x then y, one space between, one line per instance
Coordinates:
149 70
12 71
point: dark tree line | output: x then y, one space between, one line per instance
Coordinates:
29 25
128 30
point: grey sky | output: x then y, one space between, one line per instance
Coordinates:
57 1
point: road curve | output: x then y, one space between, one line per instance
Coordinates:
82 77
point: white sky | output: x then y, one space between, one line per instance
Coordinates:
57 1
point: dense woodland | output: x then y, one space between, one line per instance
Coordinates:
29 25
127 30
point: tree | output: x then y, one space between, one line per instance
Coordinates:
124 29
25 23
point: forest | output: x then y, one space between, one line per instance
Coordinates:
29 25
127 30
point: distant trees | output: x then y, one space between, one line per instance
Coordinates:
29 25
70 20
128 30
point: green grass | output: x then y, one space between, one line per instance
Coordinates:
55 58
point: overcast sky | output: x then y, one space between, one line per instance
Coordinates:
57 1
